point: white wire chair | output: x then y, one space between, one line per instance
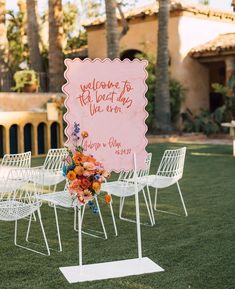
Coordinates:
18 201
120 189
22 160
62 199
129 176
52 168
169 172
11 161
125 187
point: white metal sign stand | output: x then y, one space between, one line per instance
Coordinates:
115 269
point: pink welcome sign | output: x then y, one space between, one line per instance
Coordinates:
107 99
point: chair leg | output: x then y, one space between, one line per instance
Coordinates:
28 229
43 232
101 218
83 212
75 219
122 200
151 205
182 200
148 210
155 200
58 229
113 218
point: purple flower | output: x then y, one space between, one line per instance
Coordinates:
76 131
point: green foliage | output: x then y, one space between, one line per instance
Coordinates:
75 38
76 42
228 93
70 15
177 96
177 92
205 122
210 122
24 77
91 8
204 2
18 47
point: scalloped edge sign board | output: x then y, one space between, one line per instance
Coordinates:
107 98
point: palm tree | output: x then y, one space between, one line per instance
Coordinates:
22 9
33 37
112 33
55 55
162 96
4 85
233 5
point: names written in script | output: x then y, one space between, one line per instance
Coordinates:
111 144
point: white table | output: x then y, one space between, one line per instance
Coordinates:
231 126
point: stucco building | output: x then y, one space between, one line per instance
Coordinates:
26 126
201 46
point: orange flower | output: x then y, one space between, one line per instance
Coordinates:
107 198
77 157
79 170
96 186
75 185
71 175
85 183
84 134
90 159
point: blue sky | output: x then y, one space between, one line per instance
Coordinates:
221 4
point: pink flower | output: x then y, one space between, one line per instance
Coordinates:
89 166
68 159
88 173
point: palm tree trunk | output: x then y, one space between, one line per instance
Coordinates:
56 65
22 9
112 33
33 37
35 57
4 78
162 96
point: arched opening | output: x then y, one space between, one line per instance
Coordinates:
14 139
28 137
54 135
130 54
41 130
1 141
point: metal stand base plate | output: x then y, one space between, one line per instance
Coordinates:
108 270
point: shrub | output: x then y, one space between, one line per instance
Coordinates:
176 89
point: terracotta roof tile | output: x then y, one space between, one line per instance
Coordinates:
222 43
175 5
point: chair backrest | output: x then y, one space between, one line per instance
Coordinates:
17 194
141 173
55 159
145 172
172 164
22 160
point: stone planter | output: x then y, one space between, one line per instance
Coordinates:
52 112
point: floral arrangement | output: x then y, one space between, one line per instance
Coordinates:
84 173
58 101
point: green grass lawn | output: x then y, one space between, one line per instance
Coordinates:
196 252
